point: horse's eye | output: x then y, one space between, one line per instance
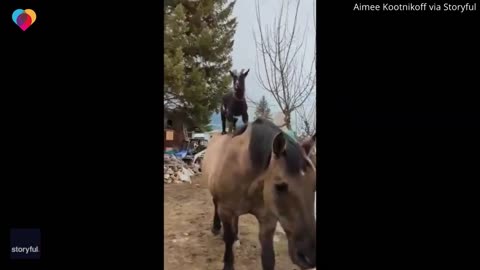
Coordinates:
282 187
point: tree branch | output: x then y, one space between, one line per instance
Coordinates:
281 68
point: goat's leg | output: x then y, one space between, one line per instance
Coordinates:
223 122
245 118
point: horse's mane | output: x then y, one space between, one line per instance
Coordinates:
262 134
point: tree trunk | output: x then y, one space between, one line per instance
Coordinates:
287 119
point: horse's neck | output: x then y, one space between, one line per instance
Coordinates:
256 186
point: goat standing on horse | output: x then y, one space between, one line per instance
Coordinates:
234 103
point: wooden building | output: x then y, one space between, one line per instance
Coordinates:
175 132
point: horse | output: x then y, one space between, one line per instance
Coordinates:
262 171
234 103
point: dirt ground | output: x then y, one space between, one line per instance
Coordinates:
189 244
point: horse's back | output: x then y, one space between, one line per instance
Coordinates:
213 156
224 159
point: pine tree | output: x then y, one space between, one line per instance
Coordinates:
263 110
174 62
198 55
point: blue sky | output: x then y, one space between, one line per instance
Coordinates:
244 51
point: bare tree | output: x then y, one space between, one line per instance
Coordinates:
307 117
306 120
315 29
281 68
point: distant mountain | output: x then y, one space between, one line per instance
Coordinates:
216 121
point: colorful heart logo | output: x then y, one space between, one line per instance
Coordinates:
24 18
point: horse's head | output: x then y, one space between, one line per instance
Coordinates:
289 192
239 80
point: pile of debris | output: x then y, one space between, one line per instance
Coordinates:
177 171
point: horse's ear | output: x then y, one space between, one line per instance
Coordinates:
246 73
279 144
232 74
308 145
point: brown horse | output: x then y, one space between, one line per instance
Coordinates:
262 171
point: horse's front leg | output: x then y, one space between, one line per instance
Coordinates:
228 220
267 231
216 220
235 226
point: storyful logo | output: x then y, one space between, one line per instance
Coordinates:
24 244
24 18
